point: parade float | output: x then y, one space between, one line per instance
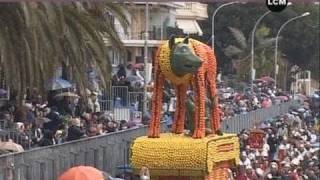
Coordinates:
189 65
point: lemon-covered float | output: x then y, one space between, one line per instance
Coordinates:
187 64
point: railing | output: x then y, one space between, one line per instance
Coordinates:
253 118
24 139
105 152
119 100
154 33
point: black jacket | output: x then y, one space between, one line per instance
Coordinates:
74 133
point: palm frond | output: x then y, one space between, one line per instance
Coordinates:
232 51
239 36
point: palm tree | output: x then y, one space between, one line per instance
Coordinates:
240 53
37 37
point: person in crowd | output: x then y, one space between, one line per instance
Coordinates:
21 136
290 150
47 139
92 131
121 72
7 119
244 160
123 125
30 118
59 137
144 173
241 175
75 131
55 121
272 142
250 173
36 133
93 103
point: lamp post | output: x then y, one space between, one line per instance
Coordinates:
145 97
277 40
213 16
252 46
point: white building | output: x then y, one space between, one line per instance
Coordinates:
162 15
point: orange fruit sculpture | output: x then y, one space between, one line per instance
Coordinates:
186 73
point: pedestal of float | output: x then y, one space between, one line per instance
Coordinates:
181 157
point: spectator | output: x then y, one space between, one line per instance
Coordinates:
250 173
47 139
93 104
55 121
121 72
74 131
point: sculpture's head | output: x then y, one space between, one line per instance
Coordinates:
182 59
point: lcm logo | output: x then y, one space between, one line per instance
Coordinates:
276 5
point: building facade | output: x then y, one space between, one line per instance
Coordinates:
165 19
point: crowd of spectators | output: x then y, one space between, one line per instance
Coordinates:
129 76
264 95
289 151
36 123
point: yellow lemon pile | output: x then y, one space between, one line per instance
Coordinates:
173 153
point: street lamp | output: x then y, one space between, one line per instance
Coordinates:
276 47
213 16
145 97
252 46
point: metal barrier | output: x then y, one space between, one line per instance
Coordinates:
24 139
120 96
104 152
136 99
254 118
119 100
3 124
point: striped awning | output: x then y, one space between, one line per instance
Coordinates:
189 26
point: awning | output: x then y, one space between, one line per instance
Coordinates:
189 26
136 43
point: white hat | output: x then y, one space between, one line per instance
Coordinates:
287 165
274 165
269 176
248 167
264 154
244 154
285 138
19 125
95 93
295 161
259 171
28 105
76 122
257 153
297 134
314 158
301 145
88 92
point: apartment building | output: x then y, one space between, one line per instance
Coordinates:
164 19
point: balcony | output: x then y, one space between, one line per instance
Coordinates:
155 33
192 10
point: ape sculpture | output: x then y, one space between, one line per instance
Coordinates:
186 63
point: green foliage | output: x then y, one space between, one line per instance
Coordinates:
299 43
37 37
240 52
